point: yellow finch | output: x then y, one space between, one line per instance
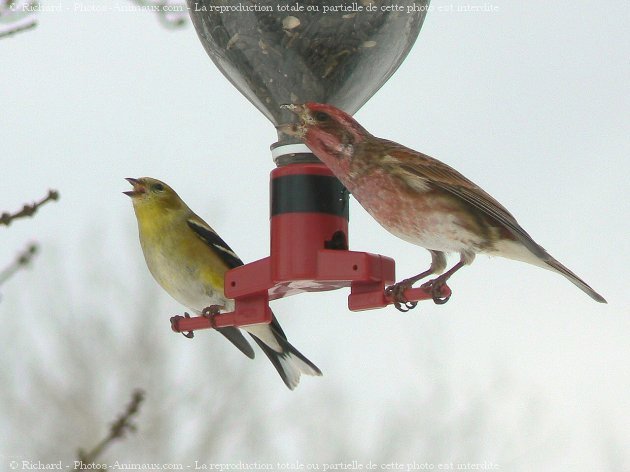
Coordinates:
189 260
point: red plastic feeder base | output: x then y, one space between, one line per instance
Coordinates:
309 253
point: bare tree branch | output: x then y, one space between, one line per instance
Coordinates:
22 260
117 430
18 29
28 210
12 12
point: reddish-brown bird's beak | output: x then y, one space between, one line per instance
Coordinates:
293 129
138 187
297 109
290 129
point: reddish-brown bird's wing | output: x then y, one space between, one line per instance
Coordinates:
411 165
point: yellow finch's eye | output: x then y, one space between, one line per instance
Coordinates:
157 187
321 116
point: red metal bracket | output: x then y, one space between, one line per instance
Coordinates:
309 253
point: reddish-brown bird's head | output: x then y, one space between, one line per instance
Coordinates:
329 132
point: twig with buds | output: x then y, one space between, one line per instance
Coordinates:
22 260
117 430
13 12
28 210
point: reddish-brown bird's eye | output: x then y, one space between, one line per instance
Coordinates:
321 116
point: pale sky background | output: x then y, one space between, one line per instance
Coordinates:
530 101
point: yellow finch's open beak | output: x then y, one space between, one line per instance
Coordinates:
138 187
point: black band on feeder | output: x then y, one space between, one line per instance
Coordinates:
309 193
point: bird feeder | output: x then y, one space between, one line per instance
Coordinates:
278 52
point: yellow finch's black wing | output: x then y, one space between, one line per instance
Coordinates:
221 248
231 260
214 242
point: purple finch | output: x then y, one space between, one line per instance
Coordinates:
419 199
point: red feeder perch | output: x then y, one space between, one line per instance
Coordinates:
275 56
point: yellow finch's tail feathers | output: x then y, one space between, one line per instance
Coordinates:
235 336
289 363
287 360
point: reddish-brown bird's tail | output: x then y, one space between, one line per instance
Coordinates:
578 282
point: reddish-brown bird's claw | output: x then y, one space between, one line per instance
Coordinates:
439 300
189 334
407 306
397 293
435 286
